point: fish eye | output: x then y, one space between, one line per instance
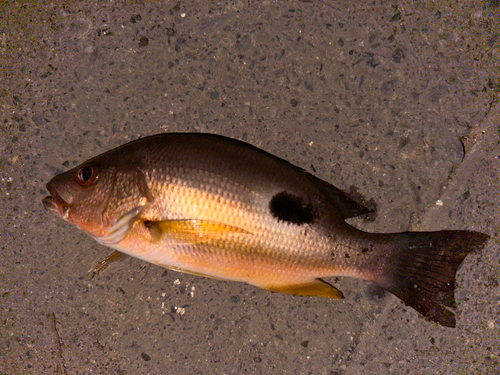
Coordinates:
86 175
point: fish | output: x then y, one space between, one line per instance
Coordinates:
217 207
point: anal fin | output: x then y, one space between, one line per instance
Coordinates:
316 287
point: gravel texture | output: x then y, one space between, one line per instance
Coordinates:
394 103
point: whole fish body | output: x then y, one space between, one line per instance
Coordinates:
214 206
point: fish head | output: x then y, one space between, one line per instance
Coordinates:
81 196
103 196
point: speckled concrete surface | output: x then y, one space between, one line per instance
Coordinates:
398 103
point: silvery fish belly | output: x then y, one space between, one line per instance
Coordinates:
217 207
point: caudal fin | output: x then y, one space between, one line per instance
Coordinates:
422 267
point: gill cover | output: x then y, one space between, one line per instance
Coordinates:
129 198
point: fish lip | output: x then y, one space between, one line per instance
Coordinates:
54 202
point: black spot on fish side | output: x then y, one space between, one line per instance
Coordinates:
292 209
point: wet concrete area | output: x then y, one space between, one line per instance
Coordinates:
398 104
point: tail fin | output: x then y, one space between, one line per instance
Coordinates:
422 267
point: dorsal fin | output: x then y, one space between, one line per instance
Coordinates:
347 207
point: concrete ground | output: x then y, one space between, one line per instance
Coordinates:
397 103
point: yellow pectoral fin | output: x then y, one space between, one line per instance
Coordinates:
317 287
192 231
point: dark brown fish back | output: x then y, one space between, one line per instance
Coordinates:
422 268
239 161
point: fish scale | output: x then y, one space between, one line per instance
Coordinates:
214 206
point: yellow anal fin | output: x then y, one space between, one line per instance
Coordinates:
317 287
113 257
193 231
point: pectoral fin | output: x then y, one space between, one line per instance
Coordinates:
317 287
192 231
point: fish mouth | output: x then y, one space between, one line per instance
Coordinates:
54 203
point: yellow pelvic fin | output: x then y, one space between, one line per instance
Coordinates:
194 231
113 257
317 287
